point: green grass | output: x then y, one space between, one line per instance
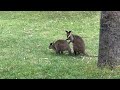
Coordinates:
24 41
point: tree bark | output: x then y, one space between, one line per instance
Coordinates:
109 42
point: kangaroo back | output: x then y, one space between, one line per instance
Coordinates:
61 45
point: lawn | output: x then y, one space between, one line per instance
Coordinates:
25 37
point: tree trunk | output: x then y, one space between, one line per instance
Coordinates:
109 42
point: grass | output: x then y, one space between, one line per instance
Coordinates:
24 41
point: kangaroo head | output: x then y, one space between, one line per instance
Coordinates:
69 36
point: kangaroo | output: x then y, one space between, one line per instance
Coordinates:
78 43
59 46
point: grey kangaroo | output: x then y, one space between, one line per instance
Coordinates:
59 46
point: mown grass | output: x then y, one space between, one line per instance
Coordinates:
24 41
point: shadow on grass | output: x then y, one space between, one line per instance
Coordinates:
65 55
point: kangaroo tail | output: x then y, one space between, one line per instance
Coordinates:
89 55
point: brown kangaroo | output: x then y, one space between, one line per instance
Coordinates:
78 43
59 46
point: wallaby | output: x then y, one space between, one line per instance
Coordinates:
78 44
59 46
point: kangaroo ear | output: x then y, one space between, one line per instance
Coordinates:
51 43
69 31
66 31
